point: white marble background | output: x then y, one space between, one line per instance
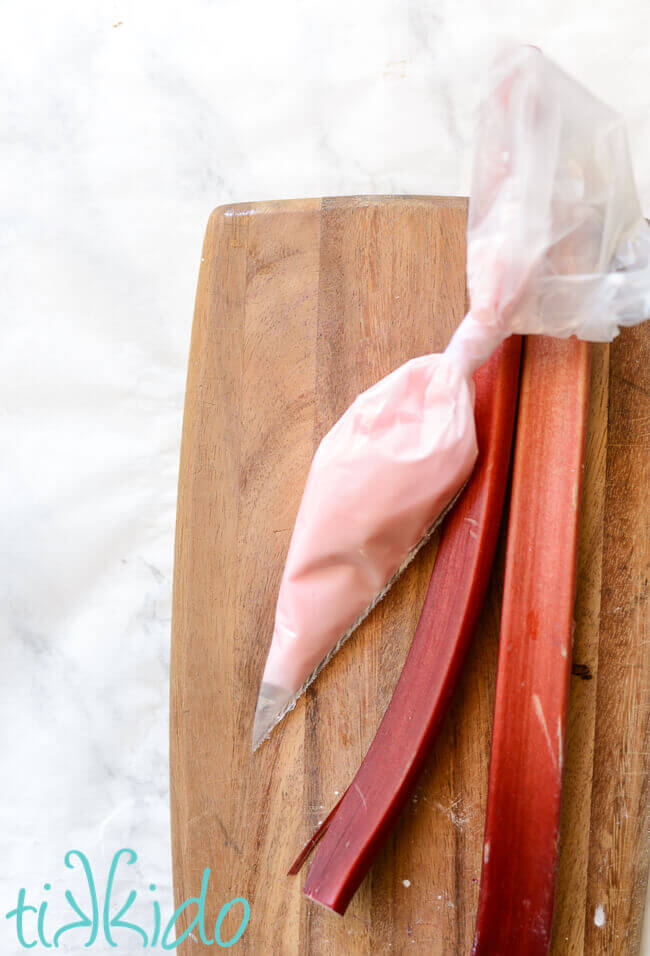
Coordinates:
124 122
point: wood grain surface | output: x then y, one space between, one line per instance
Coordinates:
301 305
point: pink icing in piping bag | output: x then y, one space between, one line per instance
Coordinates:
556 244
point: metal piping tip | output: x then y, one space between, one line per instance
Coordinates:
272 704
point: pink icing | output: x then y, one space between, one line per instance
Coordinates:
379 480
556 245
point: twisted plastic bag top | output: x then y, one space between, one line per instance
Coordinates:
556 245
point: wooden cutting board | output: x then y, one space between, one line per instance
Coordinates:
300 306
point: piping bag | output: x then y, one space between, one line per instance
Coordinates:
556 245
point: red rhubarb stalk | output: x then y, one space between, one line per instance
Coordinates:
520 852
354 831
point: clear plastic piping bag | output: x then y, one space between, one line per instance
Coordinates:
557 245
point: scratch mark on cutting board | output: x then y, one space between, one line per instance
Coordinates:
460 815
212 814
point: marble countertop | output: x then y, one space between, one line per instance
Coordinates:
124 124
